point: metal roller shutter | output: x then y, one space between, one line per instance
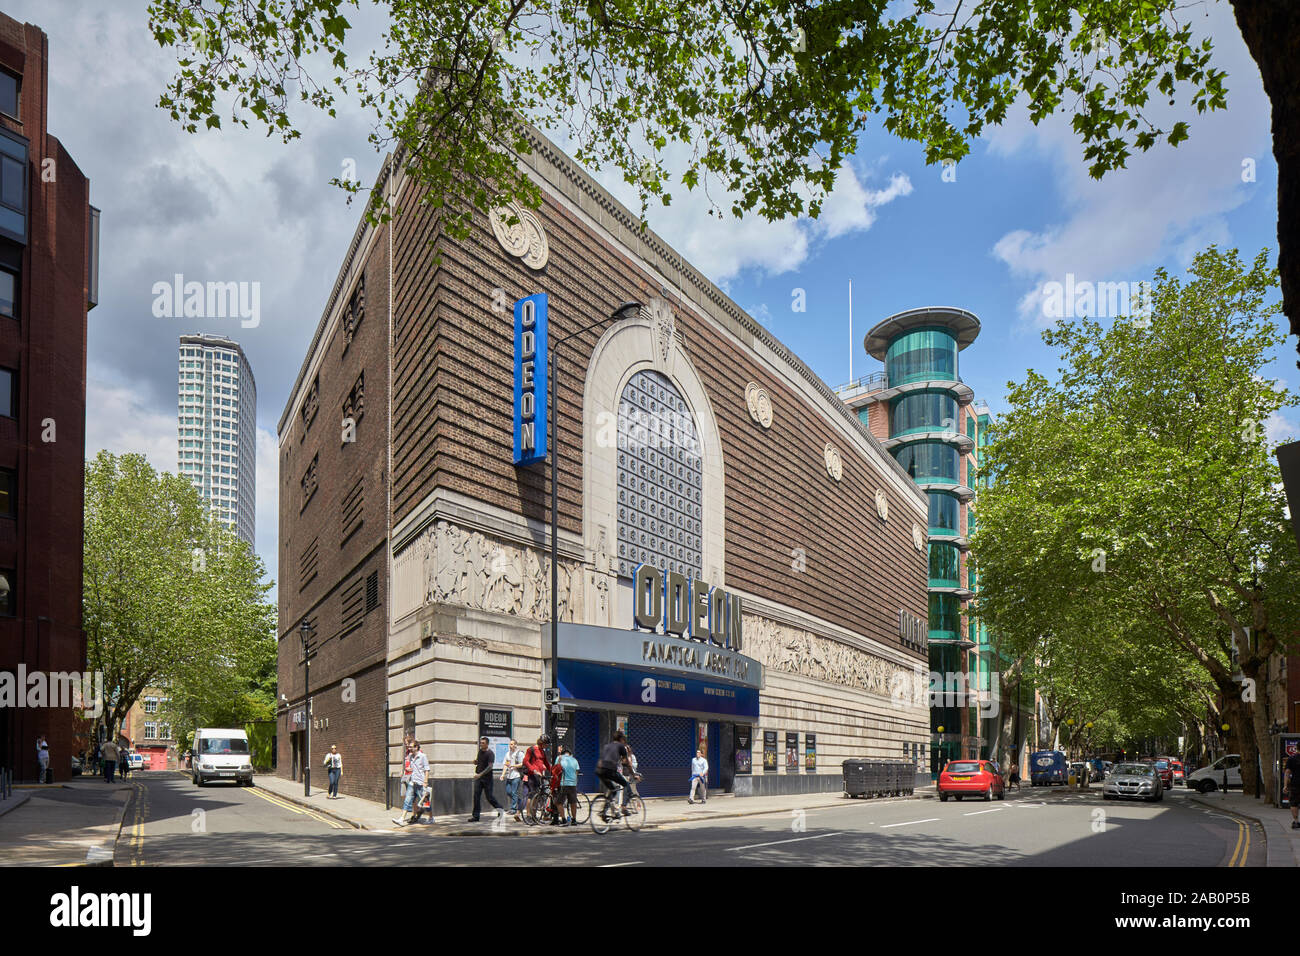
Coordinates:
664 747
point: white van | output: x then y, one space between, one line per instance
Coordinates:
221 754
1211 777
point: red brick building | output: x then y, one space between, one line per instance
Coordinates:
48 282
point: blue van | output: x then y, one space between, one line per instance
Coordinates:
1047 767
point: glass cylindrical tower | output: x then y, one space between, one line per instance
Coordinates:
926 402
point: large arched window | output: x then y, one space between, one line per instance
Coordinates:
660 478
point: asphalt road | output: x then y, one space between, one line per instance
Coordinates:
170 822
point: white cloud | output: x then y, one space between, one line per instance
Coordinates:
1167 205
1278 428
723 248
118 421
268 500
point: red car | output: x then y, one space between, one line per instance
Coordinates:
1179 776
971 778
1166 772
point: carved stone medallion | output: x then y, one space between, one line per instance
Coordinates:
525 239
882 505
834 465
760 405
918 537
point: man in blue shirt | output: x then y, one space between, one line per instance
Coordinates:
568 785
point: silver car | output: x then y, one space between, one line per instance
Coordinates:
1137 781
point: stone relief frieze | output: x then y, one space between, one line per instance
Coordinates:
780 647
470 569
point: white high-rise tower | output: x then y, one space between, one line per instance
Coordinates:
216 428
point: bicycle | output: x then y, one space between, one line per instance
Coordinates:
605 811
542 806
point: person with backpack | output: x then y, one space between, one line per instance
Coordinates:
567 795
537 766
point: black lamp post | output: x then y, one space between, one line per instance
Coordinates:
552 386
304 632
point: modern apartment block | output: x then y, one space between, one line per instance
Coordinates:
216 428
921 410
49 261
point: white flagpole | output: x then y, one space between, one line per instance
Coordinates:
850 330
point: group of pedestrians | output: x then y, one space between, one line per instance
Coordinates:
525 773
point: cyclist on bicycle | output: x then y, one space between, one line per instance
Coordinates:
613 757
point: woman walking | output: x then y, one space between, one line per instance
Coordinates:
334 763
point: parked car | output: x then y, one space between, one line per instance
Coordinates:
1047 767
76 766
1133 781
971 778
1180 776
1211 778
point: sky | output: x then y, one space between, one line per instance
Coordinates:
232 205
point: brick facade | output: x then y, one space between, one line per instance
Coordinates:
43 445
452 361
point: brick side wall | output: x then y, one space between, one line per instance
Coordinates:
453 427
345 553
46 349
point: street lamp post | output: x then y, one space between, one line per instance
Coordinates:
304 632
552 387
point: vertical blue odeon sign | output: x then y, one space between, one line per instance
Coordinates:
530 379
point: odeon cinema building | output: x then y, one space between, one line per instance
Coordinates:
741 568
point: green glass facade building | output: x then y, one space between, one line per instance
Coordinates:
920 410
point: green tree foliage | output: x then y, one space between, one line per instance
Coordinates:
172 599
765 98
1137 514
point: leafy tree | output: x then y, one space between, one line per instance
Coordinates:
1141 488
766 98
171 598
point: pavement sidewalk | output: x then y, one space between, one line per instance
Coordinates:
68 824
660 811
1283 843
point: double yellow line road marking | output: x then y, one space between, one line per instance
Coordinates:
1242 850
293 808
284 804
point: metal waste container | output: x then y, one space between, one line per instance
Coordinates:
855 778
